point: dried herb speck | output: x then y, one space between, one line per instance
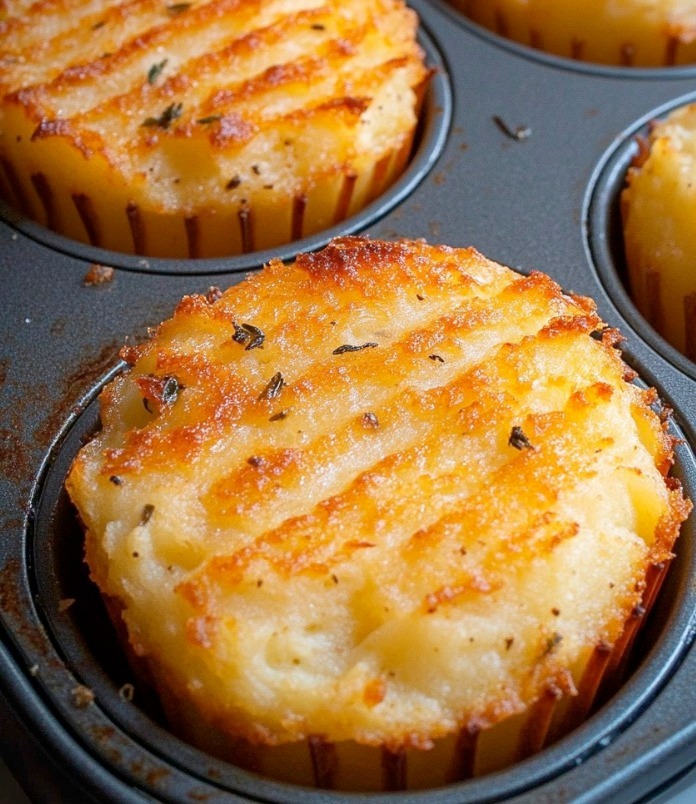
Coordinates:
170 390
248 334
211 118
214 294
168 116
436 358
233 183
519 134
518 439
349 348
146 515
552 643
370 420
282 414
273 388
116 480
178 8
155 71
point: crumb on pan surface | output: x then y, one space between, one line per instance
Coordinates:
204 128
629 33
658 208
366 543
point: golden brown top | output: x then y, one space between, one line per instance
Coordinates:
377 494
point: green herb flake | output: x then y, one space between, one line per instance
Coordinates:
155 71
168 116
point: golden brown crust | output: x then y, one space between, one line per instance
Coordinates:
356 507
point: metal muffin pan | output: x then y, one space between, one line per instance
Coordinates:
546 201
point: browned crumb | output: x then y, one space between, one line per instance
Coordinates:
98 275
82 696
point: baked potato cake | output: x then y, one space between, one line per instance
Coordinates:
629 33
205 128
375 519
658 208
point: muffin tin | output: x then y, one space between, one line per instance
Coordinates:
546 199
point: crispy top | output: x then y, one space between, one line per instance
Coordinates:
378 494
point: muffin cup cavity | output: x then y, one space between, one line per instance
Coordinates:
654 302
613 685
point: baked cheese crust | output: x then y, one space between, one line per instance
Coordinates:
629 33
204 128
382 494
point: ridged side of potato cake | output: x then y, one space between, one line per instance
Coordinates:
628 33
658 206
204 128
391 494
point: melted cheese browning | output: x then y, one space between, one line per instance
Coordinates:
204 128
425 497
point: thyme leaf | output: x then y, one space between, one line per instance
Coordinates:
168 116
155 71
